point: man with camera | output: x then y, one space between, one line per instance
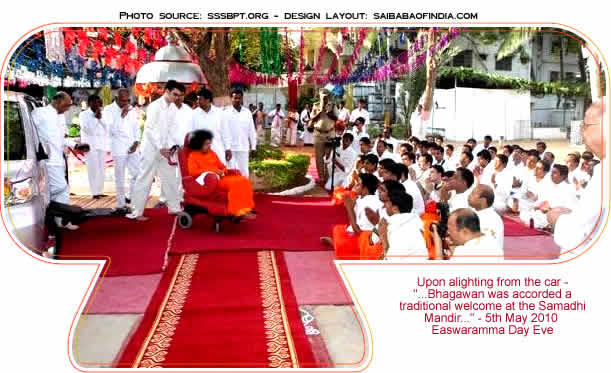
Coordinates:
464 240
324 115
339 166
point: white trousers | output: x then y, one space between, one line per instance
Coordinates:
291 134
132 163
150 166
276 136
58 187
95 171
240 162
339 178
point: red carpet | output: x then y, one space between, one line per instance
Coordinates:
515 228
531 248
283 223
132 247
231 309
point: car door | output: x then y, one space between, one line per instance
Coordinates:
24 202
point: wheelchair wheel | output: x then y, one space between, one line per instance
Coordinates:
185 220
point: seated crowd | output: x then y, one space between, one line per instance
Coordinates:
424 200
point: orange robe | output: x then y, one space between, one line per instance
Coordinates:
238 188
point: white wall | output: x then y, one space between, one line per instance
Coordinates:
473 112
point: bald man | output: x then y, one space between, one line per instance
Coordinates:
572 228
124 131
481 200
50 123
471 245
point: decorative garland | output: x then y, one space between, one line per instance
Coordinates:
287 55
240 74
301 58
321 54
355 53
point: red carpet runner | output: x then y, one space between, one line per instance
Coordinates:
231 309
133 247
515 228
283 223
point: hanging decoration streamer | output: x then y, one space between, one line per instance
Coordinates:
355 54
287 55
301 58
321 54
240 74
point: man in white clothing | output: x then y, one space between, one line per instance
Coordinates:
345 157
124 134
481 200
401 235
468 243
576 227
360 112
243 135
158 146
94 131
50 123
358 132
577 176
457 189
438 158
277 117
209 117
308 137
502 183
343 118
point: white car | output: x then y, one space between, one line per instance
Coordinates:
26 193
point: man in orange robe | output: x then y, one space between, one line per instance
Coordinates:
202 159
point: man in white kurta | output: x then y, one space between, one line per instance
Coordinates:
360 112
481 200
209 117
308 137
159 129
577 227
472 245
502 183
124 131
243 135
403 230
358 132
345 158
277 117
94 131
50 123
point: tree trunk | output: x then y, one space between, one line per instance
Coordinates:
431 75
213 51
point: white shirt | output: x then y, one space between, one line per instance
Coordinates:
161 122
356 143
52 131
405 237
344 115
94 131
412 189
277 116
360 113
460 200
185 124
504 184
491 224
473 250
305 117
211 120
369 201
579 175
441 163
573 228
559 195
487 172
123 131
242 128
347 157
530 184
385 155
